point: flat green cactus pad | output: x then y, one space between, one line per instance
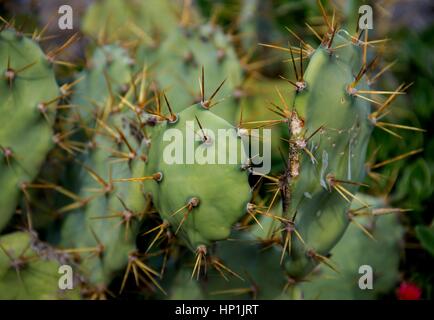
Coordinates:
28 92
30 270
206 198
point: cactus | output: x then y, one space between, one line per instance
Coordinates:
28 99
150 189
176 65
329 130
108 222
182 287
257 110
106 77
29 269
109 208
210 196
356 250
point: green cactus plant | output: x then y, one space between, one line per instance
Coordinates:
175 65
329 129
381 253
151 189
110 206
109 219
200 214
106 76
28 99
29 269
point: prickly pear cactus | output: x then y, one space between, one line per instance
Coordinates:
28 99
200 187
111 208
146 191
109 205
329 130
29 269
177 62
381 253
106 76
250 260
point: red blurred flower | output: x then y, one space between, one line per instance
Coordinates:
408 291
